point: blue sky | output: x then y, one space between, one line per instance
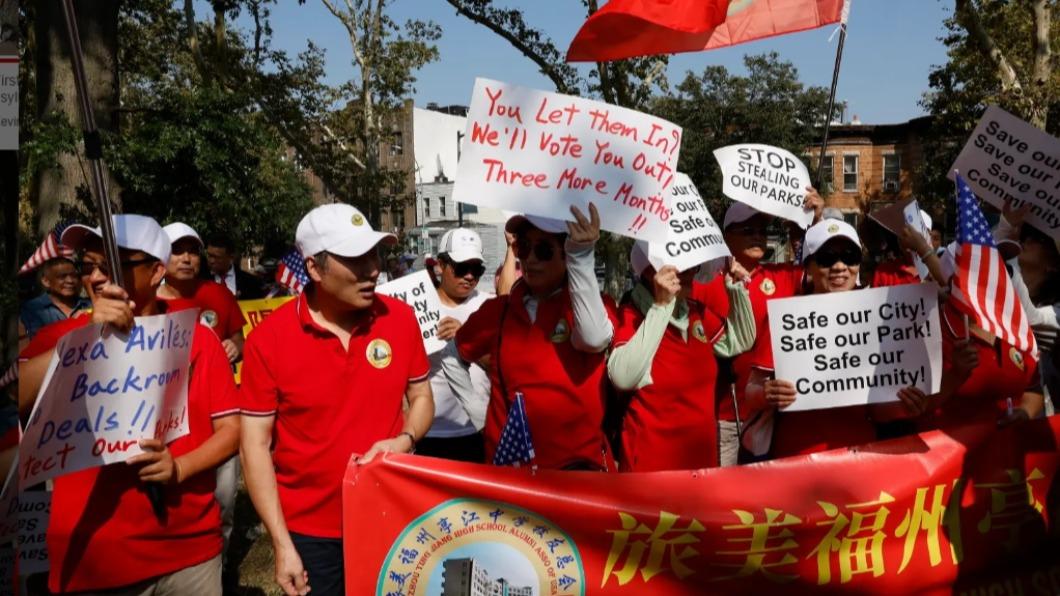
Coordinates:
890 49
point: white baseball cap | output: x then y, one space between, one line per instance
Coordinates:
461 244
824 231
178 230
737 213
339 229
132 232
545 224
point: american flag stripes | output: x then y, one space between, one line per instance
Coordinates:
982 286
515 445
49 249
291 271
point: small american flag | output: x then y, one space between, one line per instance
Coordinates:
515 446
291 271
981 285
49 249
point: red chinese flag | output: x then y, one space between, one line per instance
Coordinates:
628 28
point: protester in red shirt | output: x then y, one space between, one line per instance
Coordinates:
546 340
832 257
746 234
103 533
664 351
325 376
183 288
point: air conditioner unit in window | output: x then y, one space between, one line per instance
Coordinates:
890 186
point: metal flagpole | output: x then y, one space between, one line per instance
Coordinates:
94 154
831 96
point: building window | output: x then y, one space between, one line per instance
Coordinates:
891 173
828 173
441 207
850 173
426 207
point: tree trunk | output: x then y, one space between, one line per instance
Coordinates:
97 20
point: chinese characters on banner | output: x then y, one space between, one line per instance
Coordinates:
104 391
912 515
539 153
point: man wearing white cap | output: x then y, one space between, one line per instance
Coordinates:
458 418
103 534
325 377
183 288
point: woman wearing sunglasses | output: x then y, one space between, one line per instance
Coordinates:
832 260
669 330
546 340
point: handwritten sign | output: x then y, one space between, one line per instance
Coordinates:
1008 159
33 509
417 291
693 237
8 99
857 347
538 152
104 391
767 178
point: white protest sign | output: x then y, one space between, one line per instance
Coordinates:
913 218
417 291
693 237
767 178
1008 159
539 153
8 99
857 347
104 391
34 510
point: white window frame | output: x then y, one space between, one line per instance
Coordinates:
856 172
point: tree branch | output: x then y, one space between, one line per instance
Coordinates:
968 16
193 40
1042 50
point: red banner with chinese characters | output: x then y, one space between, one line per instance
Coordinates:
966 511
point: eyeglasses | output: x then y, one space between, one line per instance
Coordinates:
543 250
462 269
89 267
850 257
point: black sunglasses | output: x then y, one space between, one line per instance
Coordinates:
749 230
462 269
850 257
542 250
89 267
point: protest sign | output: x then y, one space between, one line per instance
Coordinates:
895 216
1008 159
767 178
8 97
857 347
33 509
104 391
255 311
417 291
692 236
539 153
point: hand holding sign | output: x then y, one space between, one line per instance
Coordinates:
767 178
417 291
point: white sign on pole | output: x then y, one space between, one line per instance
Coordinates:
692 236
8 102
104 391
34 510
417 291
539 153
767 178
857 347
1009 159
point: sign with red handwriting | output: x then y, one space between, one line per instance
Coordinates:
539 153
104 391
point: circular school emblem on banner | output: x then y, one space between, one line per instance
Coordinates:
1016 357
768 287
379 353
471 546
561 333
208 318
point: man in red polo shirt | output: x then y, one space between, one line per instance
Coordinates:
218 308
103 533
324 377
